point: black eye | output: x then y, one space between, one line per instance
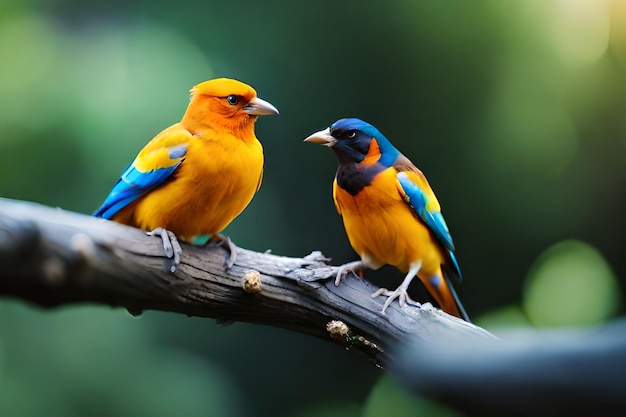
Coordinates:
351 134
232 99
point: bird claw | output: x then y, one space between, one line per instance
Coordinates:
171 246
231 248
400 293
355 267
317 256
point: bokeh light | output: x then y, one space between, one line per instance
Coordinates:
571 285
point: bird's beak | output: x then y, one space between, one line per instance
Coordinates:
323 137
259 107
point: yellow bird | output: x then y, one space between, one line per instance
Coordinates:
192 179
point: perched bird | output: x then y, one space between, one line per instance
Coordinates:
390 214
192 179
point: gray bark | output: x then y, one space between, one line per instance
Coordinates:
52 257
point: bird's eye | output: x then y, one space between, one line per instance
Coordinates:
351 134
232 99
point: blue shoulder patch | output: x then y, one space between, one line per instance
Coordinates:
178 151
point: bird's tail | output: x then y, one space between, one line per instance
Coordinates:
440 287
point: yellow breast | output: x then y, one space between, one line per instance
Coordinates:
383 229
213 185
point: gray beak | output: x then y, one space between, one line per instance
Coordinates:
259 107
323 137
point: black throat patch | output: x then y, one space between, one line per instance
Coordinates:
353 177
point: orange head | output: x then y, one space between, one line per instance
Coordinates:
225 104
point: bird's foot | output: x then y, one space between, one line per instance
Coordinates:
355 267
400 293
171 247
221 240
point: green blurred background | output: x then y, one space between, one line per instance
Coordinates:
513 109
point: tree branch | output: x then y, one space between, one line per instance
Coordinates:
51 257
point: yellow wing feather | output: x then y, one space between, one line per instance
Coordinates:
156 154
403 164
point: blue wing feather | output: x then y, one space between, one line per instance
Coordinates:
434 221
134 183
455 267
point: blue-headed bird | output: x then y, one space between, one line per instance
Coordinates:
390 214
192 179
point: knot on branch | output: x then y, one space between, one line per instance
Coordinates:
340 331
251 282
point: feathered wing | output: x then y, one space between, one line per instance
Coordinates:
420 197
156 162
